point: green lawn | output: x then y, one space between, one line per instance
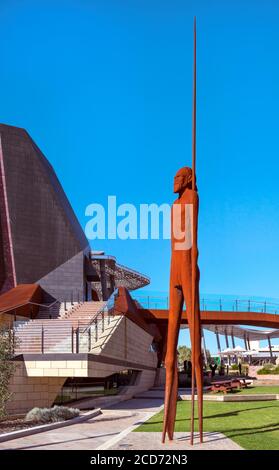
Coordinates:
272 389
253 425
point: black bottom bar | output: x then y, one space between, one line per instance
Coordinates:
124 459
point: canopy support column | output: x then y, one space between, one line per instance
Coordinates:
218 340
248 342
270 348
227 340
245 343
103 277
204 347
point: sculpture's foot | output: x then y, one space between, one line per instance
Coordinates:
191 439
164 436
170 437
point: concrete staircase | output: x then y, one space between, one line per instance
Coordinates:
101 332
60 334
38 336
82 314
57 310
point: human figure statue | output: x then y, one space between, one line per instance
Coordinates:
222 368
189 368
239 366
213 367
181 289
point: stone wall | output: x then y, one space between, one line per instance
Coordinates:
28 392
128 341
124 345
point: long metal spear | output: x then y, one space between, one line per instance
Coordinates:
194 248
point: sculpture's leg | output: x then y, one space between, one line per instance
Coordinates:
199 363
173 404
176 304
199 378
195 335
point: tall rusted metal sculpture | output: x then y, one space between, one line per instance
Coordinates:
184 286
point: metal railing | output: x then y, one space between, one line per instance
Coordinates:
104 310
29 304
206 304
74 297
45 336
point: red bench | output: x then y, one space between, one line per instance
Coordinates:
226 386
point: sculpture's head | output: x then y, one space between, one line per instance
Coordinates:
182 179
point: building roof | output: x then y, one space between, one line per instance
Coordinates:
242 332
123 276
18 299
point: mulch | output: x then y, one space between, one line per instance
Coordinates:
10 425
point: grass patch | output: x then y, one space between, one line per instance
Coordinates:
253 425
270 389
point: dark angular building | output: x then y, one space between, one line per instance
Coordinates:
44 255
41 240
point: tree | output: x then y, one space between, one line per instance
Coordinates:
184 354
208 355
7 367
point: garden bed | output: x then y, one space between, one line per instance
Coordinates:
29 428
11 424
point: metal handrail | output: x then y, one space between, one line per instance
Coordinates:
165 297
220 303
30 303
43 333
102 309
74 336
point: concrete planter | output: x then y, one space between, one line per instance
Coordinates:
48 427
235 398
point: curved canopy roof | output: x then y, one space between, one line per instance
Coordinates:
123 276
242 332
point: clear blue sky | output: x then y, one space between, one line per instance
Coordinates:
104 88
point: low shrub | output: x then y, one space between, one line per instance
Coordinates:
51 415
268 366
264 371
268 369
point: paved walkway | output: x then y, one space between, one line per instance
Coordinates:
94 433
152 441
113 430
